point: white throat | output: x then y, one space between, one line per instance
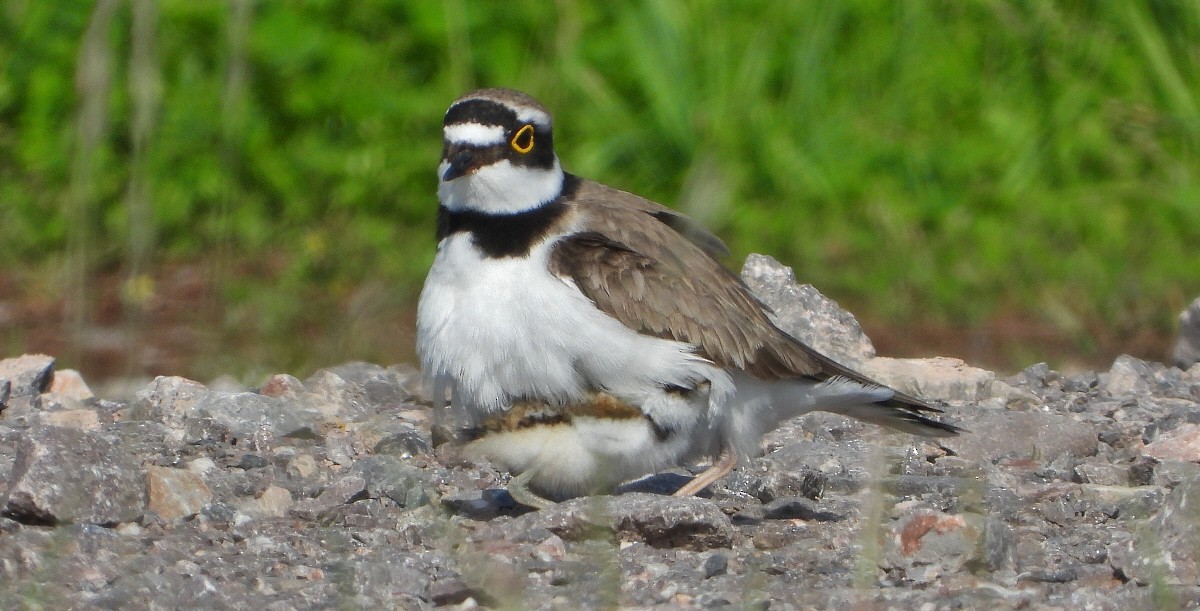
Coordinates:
501 188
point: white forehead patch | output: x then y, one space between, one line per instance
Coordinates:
473 133
532 115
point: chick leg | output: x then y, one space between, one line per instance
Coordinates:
724 464
518 488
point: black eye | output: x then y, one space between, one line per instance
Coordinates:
522 141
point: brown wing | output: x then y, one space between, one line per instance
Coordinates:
653 269
633 263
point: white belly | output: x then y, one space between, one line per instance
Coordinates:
503 329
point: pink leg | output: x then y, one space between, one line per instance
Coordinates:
725 463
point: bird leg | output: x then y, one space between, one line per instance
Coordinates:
518 488
724 464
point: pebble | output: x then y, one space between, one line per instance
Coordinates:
175 493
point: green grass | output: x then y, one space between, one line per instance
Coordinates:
923 162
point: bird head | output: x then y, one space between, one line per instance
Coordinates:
498 154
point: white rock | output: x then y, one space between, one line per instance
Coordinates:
938 378
68 383
82 419
201 465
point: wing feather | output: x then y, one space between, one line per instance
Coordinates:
654 270
638 268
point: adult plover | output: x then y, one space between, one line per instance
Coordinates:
592 334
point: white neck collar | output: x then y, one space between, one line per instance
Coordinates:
501 188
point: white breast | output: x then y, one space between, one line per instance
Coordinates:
503 329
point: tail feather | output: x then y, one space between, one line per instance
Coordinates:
767 404
872 403
901 416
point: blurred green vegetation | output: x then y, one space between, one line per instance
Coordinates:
923 162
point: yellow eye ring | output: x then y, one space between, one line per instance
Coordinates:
522 141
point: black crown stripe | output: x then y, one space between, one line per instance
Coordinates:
484 112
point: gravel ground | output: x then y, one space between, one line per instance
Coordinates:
1070 491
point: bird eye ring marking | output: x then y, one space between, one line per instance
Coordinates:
522 141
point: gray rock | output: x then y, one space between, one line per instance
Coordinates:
28 375
1123 502
805 313
1187 347
304 473
479 504
1129 376
924 545
1165 416
820 322
452 591
997 435
145 442
998 551
797 508
915 486
803 468
377 386
336 397
342 492
405 443
255 419
1081 382
65 475
1166 548
1038 376
716 564
662 522
1181 444
1102 473
169 400
1016 397
655 520
389 477
250 460
1171 473
9 439
403 433
222 513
